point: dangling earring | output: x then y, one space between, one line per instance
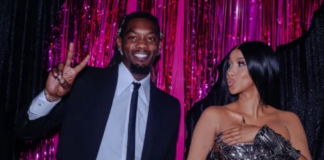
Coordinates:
159 52
120 51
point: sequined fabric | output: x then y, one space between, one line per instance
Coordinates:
244 151
267 145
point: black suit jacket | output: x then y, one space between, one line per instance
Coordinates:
83 114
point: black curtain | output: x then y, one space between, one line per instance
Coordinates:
24 27
302 81
301 85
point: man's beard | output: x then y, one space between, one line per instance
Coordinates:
137 69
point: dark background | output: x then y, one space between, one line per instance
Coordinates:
24 27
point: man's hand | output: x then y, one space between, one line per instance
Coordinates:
60 79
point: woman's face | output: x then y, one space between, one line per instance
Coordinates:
238 77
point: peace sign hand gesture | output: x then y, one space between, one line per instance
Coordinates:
60 80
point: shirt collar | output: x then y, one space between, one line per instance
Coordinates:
125 79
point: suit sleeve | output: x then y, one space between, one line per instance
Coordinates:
32 129
171 155
40 107
28 128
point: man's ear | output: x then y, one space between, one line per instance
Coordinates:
119 42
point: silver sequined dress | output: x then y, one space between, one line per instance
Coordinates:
267 145
246 151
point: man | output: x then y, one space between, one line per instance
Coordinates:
113 113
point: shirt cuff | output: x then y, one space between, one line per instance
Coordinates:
40 107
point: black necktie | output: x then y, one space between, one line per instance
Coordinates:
132 123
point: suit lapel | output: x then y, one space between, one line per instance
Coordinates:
153 121
105 95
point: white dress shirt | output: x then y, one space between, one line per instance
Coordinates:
114 142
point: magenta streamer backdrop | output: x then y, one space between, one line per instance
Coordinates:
216 26
197 35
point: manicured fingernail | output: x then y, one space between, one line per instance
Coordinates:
59 77
55 74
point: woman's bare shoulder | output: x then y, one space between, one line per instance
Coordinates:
211 117
214 109
214 112
288 117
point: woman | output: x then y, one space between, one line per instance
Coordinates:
250 127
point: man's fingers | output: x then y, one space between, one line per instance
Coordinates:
64 84
70 55
54 72
60 70
79 67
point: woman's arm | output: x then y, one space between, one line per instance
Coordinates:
204 134
297 135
